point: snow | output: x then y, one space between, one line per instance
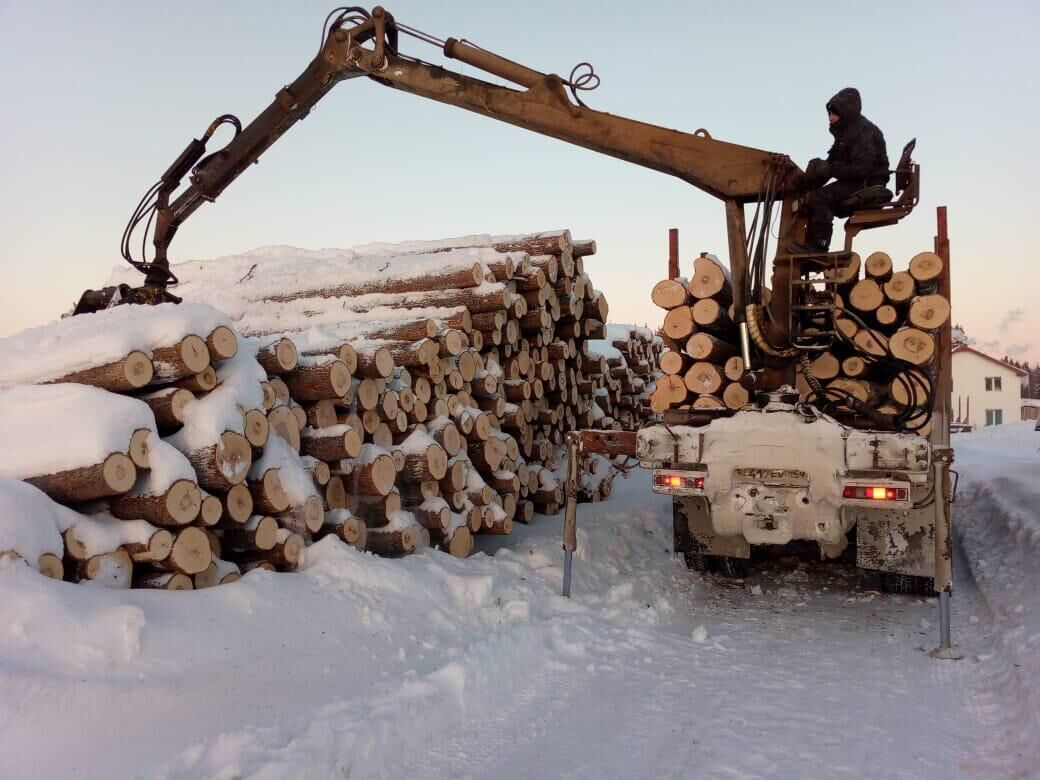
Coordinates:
221 409
236 283
428 666
295 479
50 428
61 347
997 521
101 533
604 348
30 523
166 464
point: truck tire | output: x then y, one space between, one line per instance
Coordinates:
735 568
907 584
696 561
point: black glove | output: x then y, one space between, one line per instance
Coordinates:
817 172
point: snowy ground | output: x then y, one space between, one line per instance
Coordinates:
435 667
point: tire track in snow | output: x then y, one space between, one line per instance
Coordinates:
815 675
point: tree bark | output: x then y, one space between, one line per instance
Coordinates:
315 381
186 358
331 443
222 343
168 407
279 357
178 505
113 476
121 376
397 542
258 533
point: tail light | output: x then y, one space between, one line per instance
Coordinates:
877 493
678 483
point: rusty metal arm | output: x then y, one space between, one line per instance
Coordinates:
728 171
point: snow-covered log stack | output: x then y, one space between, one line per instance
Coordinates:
392 396
880 314
480 345
179 485
629 359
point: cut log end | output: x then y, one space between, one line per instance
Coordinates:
222 343
191 552
50 565
138 449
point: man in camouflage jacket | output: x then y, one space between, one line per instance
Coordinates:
858 159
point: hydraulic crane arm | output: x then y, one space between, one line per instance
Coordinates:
359 43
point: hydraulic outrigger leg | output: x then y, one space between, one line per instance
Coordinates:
943 556
578 443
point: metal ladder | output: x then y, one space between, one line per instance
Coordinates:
814 298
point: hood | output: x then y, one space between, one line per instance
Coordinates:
846 104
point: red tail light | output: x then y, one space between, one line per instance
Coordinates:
678 481
876 493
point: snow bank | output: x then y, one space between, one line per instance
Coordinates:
61 347
367 667
997 522
49 428
30 523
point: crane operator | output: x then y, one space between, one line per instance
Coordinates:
857 160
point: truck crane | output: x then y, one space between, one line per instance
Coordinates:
779 470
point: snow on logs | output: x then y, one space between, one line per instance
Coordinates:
75 443
881 312
417 396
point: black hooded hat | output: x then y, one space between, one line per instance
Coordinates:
846 104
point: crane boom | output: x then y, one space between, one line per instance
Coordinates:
731 172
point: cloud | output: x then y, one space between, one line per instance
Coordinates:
1010 318
1018 349
987 346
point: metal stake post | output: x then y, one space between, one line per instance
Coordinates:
570 517
943 456
943 555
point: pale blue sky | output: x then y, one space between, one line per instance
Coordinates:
101 97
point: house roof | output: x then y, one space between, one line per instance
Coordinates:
1008 366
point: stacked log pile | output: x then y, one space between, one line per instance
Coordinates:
700 365
394 398
179 505
631 357
880 314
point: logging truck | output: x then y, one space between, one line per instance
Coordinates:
792 447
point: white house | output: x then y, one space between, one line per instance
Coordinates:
986 391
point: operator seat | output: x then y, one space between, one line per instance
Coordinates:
874 206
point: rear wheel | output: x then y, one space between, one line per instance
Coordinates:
717 564
737 568
907 584
696 561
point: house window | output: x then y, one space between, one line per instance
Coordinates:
994 417
993 383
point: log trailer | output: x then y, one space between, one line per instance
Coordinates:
782 468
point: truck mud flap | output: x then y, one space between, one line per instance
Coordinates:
895 541
693 532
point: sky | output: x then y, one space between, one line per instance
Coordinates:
101 97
